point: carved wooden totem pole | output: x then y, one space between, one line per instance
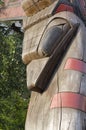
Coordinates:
54 49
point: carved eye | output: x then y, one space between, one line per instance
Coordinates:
50 39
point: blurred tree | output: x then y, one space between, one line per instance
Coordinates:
2 3
14 96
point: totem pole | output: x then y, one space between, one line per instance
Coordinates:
54 50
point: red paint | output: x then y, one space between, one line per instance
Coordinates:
75 64
69 100
64 7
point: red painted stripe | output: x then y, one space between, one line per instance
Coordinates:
69 100
75 64
64 7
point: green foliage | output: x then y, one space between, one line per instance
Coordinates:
1 3
13 92
13 112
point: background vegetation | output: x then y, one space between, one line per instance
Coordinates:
14 96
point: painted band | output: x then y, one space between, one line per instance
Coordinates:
64 7
75 64
69 100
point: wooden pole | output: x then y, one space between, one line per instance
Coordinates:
63 105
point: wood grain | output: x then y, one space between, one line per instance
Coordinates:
39 114
34 6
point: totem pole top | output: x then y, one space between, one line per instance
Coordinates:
11 10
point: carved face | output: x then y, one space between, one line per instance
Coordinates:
43 33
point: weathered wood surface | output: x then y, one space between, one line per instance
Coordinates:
34 27
39 115
32 7
38 17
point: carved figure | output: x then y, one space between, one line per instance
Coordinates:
54 50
